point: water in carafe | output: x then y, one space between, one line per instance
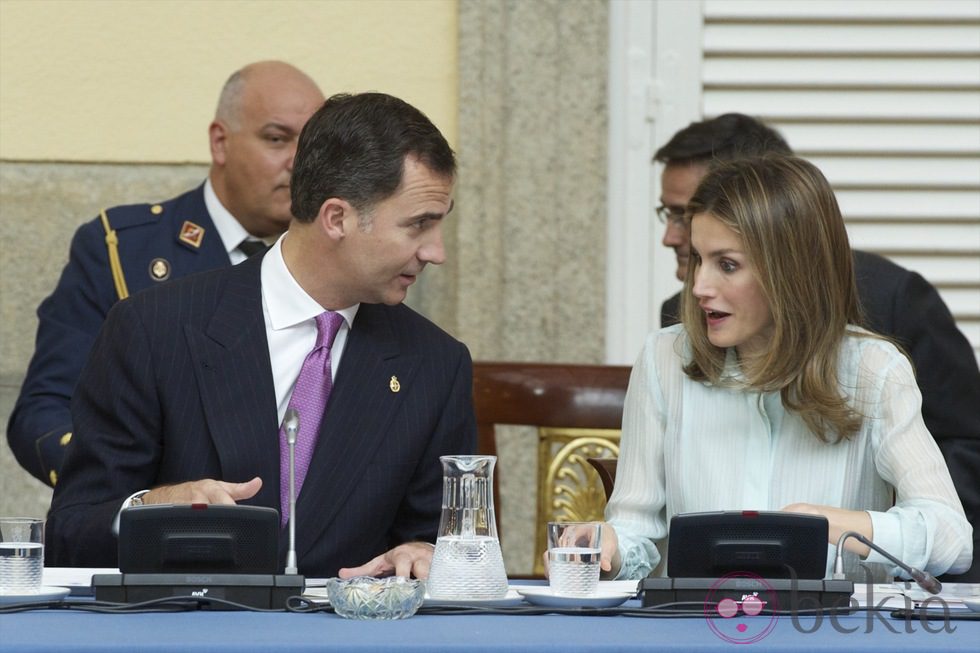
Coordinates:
467 563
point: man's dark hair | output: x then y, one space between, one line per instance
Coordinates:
354 148
725 138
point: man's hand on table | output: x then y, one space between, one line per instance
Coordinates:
410 559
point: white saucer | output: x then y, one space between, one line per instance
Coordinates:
544 597
511 599
46 593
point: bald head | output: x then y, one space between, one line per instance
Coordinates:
260 113
259 74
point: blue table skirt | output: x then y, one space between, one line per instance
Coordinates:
241 632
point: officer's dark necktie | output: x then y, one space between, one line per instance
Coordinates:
250 247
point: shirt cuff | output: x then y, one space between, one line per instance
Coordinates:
128 503
887 534
638 555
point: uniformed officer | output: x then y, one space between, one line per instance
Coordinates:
243 202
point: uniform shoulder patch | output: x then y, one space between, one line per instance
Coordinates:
191 234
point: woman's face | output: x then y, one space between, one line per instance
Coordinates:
728 290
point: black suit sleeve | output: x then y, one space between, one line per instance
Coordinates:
114 452
670 311
945 364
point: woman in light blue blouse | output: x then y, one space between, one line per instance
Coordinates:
769 397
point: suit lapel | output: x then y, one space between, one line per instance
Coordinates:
234 374
361 407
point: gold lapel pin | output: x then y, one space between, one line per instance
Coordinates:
394 384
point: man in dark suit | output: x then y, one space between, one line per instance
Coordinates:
896 302
260 113
188 383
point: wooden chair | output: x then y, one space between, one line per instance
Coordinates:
578 411
606 469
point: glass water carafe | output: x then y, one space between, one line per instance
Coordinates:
467 563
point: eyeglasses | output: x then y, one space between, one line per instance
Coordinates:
671 215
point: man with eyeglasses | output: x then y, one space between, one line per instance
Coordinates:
897 303
687 157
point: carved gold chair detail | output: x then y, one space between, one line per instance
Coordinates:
569 487
577 411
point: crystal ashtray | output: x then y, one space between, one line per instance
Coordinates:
366 597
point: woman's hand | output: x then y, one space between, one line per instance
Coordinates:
609 562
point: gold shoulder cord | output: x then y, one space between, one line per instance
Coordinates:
112 244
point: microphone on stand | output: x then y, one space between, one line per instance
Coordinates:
923 579
291 427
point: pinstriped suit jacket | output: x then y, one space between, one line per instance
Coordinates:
179 387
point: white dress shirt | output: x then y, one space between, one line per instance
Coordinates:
688 446
229 229
290 325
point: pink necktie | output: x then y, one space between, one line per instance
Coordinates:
309 400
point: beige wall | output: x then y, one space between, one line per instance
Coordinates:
529 277
99 81
518 86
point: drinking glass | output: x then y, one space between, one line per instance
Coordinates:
21 555
573 557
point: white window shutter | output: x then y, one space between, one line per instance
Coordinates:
884 97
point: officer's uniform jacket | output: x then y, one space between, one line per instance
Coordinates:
124 250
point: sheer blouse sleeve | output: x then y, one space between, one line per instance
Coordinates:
926 528
636 507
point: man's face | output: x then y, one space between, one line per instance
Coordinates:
402 235
254 155
678 183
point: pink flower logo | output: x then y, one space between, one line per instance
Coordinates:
745 593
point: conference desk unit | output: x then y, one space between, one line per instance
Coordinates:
71 631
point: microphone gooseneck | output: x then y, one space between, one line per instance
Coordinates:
291 427
923 579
